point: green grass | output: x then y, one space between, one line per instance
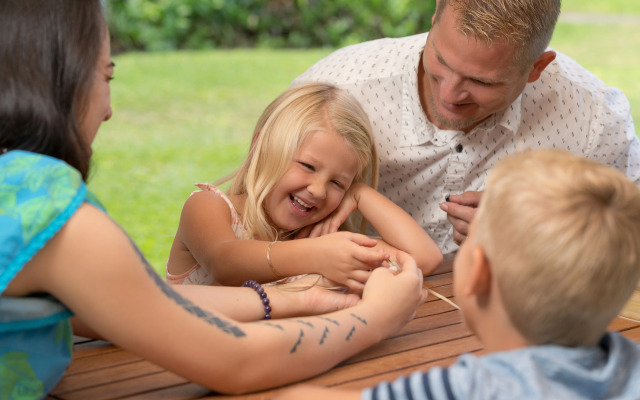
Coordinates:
601 50
185 117
608 50
602 6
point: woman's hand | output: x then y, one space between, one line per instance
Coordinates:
309 295
396 297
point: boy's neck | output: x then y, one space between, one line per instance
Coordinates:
494 328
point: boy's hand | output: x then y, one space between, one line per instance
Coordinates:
460 209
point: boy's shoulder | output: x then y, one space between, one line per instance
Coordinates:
609 370
560 372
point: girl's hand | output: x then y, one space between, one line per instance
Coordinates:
347 258
333 221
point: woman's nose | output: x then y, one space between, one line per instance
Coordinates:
109 114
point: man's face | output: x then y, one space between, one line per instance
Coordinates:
465 80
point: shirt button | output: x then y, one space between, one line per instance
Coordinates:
459 148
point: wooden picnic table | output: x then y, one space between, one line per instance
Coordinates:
436 336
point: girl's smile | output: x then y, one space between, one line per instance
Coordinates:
315 182
299 204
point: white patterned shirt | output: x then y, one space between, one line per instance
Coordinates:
567 108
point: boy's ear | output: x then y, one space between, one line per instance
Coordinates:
480 273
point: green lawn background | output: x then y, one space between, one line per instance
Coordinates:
185 117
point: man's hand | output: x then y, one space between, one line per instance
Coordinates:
460 209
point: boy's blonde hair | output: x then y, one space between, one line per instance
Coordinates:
529 24
562 234
279 133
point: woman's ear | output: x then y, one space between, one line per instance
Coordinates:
479 273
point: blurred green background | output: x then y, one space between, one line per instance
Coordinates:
184 116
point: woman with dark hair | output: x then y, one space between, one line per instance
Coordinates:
46 77
61 255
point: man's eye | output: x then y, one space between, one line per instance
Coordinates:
481 83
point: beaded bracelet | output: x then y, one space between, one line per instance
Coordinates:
263 296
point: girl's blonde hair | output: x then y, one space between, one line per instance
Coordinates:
562 234
279 133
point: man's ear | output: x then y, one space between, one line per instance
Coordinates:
480 273
540 64
433 17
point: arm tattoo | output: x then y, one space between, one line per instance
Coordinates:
309 324
295 346
188 306
353 329
330 320
274 325
324 335
364 321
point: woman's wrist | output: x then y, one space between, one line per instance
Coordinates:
312 301
264 298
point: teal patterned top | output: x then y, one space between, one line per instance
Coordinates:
38 195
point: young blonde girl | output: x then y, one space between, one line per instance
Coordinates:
311 156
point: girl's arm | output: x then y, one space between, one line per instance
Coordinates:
205 237
396 227
92 267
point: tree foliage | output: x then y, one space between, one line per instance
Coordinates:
198 24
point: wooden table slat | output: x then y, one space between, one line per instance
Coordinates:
124 388
106 375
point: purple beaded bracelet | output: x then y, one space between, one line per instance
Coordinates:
263 296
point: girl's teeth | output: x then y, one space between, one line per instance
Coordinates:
302 203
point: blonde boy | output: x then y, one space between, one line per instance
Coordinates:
552 256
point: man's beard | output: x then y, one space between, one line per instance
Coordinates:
447 123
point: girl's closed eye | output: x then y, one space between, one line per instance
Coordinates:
307 166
